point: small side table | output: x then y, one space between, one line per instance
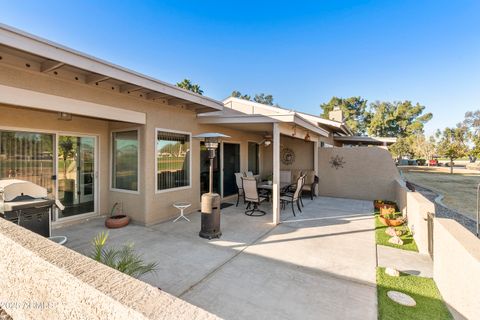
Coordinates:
181 206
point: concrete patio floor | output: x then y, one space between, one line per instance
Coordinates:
318 265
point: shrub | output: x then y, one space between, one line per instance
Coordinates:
421 162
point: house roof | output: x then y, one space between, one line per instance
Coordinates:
366 140
252 107
23 50
239 111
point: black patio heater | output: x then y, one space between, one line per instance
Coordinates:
210 201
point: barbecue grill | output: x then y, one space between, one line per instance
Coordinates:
26 204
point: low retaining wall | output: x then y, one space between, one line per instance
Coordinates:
366 173
40 279
456 266
416 207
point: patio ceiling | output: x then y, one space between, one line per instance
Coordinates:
27 52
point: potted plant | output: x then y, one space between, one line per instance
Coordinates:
384 203
270 180
385 210
116 220
123 259
392 220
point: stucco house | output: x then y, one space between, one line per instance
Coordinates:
95 134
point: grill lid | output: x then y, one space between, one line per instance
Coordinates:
10 189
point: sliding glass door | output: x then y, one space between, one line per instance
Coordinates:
28 156
76 174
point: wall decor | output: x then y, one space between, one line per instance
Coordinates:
337 162
287 156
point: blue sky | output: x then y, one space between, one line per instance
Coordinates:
302 52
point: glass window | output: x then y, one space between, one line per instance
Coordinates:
173 160
125 160
27 156
253 157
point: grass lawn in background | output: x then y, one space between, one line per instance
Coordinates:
459 189
382 238
423 290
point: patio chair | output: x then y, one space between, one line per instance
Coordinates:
290 189
252 197
309 185
239 184
293 197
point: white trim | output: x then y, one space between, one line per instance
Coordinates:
38 100
24 41
189 160
112 189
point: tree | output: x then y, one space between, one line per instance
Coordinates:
66 149
259 97
238 94
472 124
397 119
453 143
264 99
423 147
188 85
403 147
354 110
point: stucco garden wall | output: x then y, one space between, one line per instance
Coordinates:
364 173
456 266
43 280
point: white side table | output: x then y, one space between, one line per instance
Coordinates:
181 206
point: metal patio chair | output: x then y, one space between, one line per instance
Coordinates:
252 197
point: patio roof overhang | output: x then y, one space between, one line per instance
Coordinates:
22 50
232 117
367 140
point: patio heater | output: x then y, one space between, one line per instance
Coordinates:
210 201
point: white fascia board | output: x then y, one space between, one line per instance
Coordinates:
307 125
235 119
29 43
42 101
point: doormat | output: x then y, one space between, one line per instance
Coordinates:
225 205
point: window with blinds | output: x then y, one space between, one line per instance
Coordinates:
173 160
125 160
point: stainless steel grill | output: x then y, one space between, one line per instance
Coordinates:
26 204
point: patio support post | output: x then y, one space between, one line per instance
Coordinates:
276 174
315 163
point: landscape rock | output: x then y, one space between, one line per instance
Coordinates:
392 272
391 231
395 240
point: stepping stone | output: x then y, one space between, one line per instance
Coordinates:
396 240
391 231
401 298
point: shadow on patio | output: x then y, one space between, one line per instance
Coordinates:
318 264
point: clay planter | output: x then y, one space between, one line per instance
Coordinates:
391 222
117 221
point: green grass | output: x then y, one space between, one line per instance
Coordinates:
429 302
382 238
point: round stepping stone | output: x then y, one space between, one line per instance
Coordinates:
401 298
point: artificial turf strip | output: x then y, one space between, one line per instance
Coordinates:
423 290
382 238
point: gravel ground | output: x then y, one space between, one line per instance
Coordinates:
444 212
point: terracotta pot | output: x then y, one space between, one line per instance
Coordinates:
117 221
378 204
391 222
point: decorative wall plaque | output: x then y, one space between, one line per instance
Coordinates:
287 156
337 162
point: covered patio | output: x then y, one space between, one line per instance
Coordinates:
318 265
290 145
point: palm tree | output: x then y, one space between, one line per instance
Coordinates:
188 85
123 259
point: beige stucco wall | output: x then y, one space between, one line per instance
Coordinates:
43 280
456 266
367 173
147 206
